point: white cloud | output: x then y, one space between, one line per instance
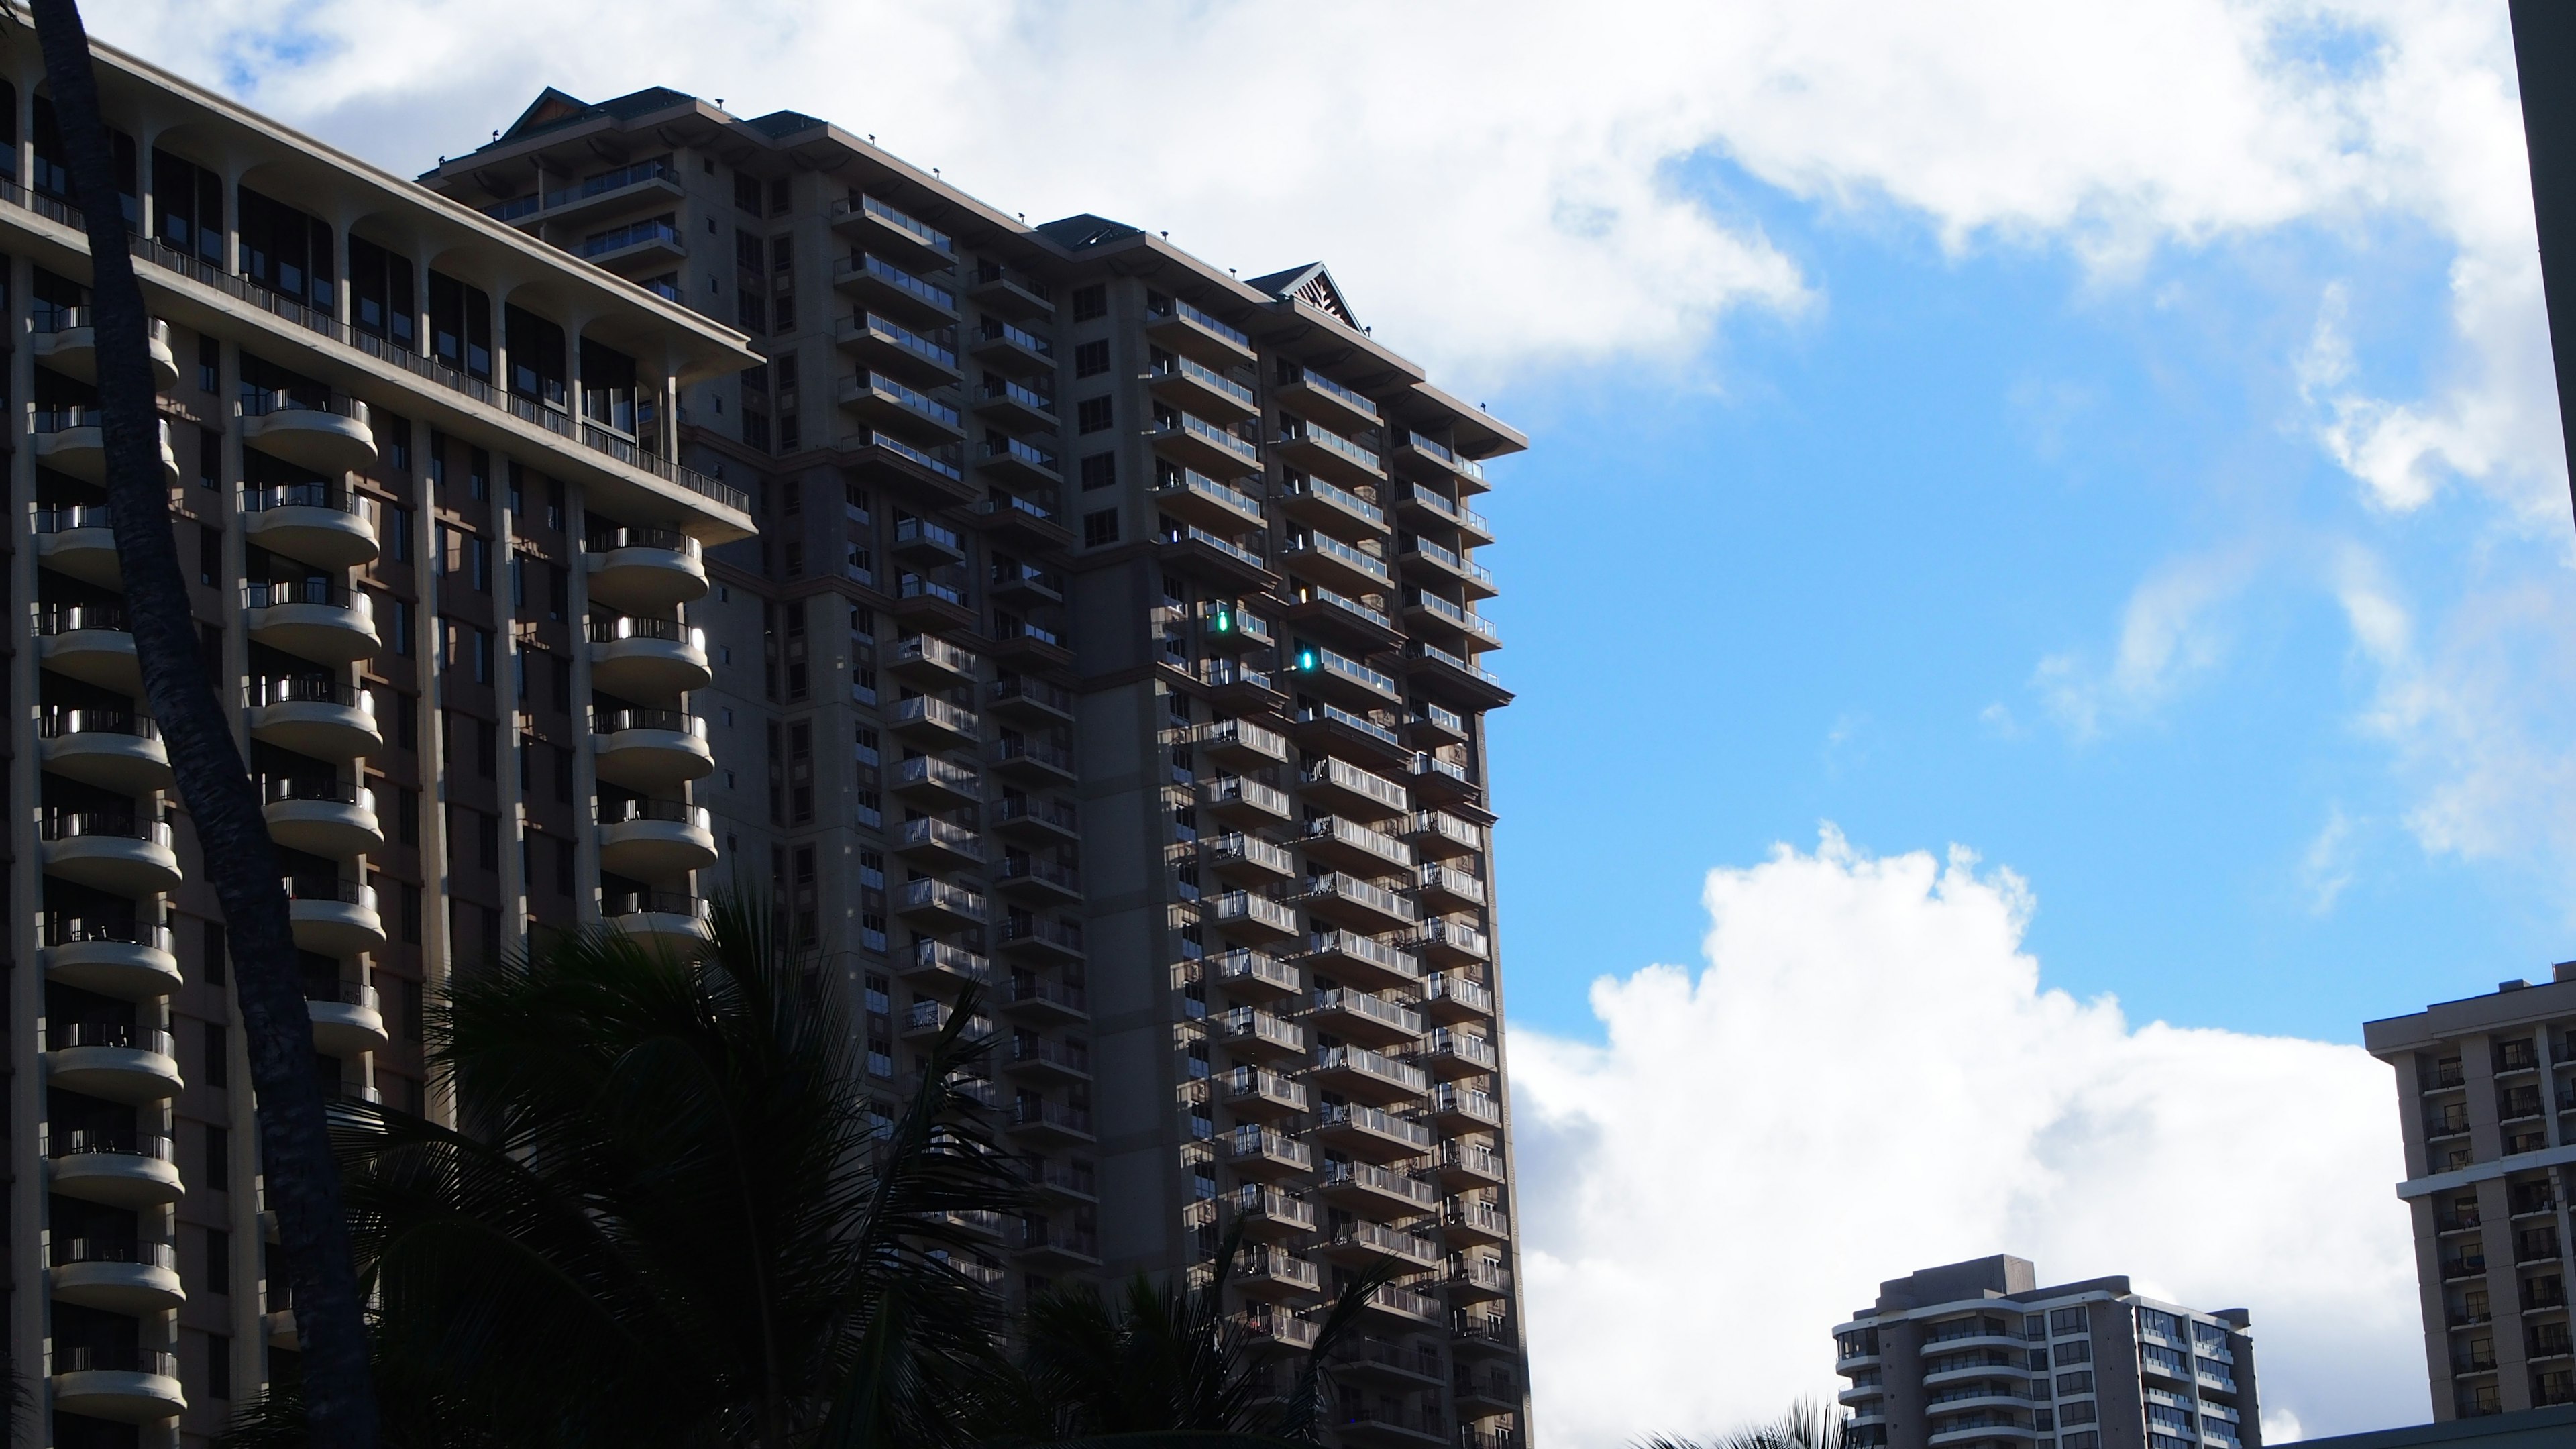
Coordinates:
2325 869
2172 630
1869 1078
1501 184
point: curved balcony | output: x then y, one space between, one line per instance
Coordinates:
67 342
89 642
350 1023
313 714
647 658
120 1277
117 1166
111 1059
645 569
322 524
326 434
109 748
334 917
113 850
659 920
77 539
650 749
656 839
122 958
71 442
129 1387
323 816
313 619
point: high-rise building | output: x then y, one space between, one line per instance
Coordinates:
1109 647
1978 1355
2486 1090
422 471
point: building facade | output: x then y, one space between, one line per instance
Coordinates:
1979 1355
2486 1091
422 473
1109 649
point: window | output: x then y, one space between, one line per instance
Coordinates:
1100 470
2065 1321
2079 1382
1100 528
487 749
1093 415
219 1366
210 458
214 953
219 1057
1091 358
2082 1411
218 1277
219 1159
210 554
410 914
2034 1325
746 192
412 1018
2079 1351
1090 302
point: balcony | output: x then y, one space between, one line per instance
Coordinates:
645 570
1471 578
921 602
937 783
1366 1242
1355 792
114 1165
111 749
1058 1245
1436 835
1366 1075
1045 1059
883 284
322 524
942 845
944 966
1348 901
66 341
882 342
651 242
1465 1220
1440 887
1358 1016
69 441
1322 451
113 956
139 1386
1028 935
1429 613
1446 942
1037 819
1268 1326
1370 1133
1331 840
1311 394
1037 879
936 722
1194 332
874 223
1026 464
1269 1212
1026 584
1449 1055
1453 997
328 433
1226 628
334 917
1240 859
1464 1109
117 1060
1047 1001
1186 493
1329 727
1236 799
673 921
1255 1035
1432 725
1001 345
1349 680
1016 406
1019 697
939 472
889 403
655 839
1242 744
118 1275
1425 508
1026 645
1242 913
79 540
1368 964
1337 564
1192 546
1265 1272
1007 291
1254 1092
1257 1152
322 815
1211 448
1438 782
650 749
349 1021
1021 758
1233 684
1246 972
313 715
1189 384
1459 678
311 618
112 850
1377 1189
1467 1165
924 1020
1054 1123
89 642
931 659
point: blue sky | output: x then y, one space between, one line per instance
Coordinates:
2114 440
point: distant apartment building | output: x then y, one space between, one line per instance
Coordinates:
1110 645
2486 1092
1977 1355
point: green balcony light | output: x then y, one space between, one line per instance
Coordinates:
1308 661
1223 621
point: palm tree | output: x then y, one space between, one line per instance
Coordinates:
673 1217
1806 1424
1159 1360
239 859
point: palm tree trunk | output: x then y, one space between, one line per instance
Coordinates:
303 1180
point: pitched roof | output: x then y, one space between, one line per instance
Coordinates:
554 108
1073 233
1310 284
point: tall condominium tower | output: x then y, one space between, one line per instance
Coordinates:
422 472
1979 1356
1110 648
2486 1092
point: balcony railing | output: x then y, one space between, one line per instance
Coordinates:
1197 316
